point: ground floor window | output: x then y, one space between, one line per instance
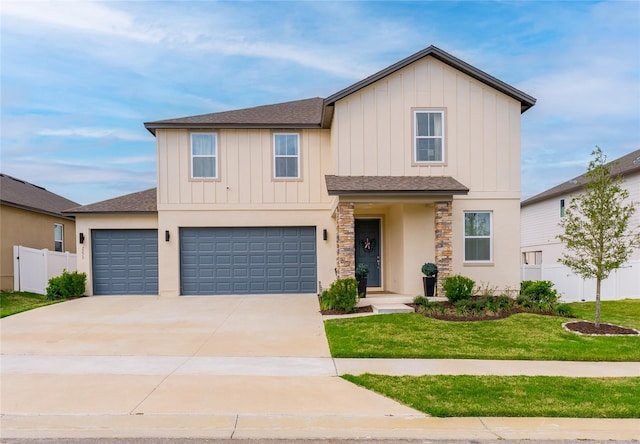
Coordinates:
478 236
532 257
58 237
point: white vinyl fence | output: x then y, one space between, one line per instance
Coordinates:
621 284
33 268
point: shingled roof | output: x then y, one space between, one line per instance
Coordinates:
306 113
317 112
140 202
624 166
338 185
22 194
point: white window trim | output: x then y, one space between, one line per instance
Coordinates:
465 237
192 156
416 137
61 240
275 156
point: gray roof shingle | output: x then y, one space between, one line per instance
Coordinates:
337 185
306 113
22 194
140 202
624 166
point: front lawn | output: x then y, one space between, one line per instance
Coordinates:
521 336
522 396
12 302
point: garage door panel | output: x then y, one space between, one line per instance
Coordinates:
125 261
248 260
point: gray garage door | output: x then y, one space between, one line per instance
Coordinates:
247 260
125 261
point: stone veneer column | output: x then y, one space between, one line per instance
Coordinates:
346 263
444 243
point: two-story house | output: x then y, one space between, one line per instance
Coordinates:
541 249
417 163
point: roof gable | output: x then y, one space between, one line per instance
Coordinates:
22 194
317 112
624 166
526 101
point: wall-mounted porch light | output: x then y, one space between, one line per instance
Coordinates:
81 238
324 234
167 236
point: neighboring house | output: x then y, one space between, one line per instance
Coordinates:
417 163
32 217
541 249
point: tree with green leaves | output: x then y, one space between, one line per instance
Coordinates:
597 234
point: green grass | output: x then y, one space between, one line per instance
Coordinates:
625 312
12 302
519 396
521 336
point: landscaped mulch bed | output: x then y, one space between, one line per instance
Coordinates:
589 328
366 309
579 327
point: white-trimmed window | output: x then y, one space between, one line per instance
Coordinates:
478 239
428 128
204 156
286 155
58 237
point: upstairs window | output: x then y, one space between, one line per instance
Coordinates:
58 237
204 156
286 155
477 237
562 209
429 136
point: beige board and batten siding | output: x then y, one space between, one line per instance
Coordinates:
245 194
245 173
372 131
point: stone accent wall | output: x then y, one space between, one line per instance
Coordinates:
345 220
444 242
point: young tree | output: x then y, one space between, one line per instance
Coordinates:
597 235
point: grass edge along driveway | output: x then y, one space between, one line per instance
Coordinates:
13 302
510 396
523 336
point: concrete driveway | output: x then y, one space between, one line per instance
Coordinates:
150 366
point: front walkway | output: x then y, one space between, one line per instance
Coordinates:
231 367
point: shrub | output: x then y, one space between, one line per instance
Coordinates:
421 301
564 310
430 269
362 271
538 295
457 288
341 295
67 285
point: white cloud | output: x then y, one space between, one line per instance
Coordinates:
97 133
80 16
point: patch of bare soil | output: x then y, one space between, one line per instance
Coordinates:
366 309
589 328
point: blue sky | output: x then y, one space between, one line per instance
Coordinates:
78 79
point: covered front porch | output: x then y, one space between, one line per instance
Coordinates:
394 225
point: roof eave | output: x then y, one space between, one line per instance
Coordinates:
397 192
152 127
36 210
108 212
